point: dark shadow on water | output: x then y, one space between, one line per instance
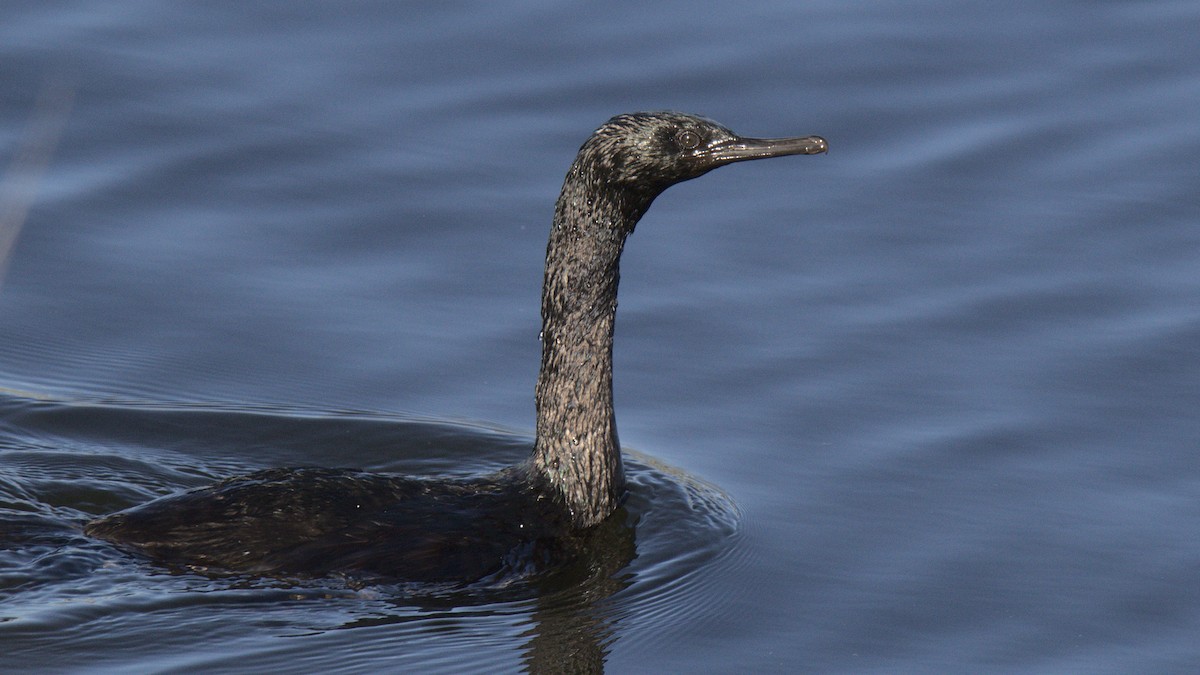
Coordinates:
571 632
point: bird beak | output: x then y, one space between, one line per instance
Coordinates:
740 149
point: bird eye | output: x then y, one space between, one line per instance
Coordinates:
688 140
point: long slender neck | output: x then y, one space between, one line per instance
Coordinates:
577 448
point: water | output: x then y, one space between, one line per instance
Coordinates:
925 403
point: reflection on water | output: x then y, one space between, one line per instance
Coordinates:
19 183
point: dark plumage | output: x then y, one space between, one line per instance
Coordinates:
318 521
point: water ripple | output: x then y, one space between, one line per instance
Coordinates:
64 461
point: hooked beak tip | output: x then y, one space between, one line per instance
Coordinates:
740 149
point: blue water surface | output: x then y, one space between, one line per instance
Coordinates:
925 404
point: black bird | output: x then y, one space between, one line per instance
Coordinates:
312 522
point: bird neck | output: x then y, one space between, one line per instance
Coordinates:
577 448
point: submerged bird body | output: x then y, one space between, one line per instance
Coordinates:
313 521
319 521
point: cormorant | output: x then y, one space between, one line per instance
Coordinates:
312 521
